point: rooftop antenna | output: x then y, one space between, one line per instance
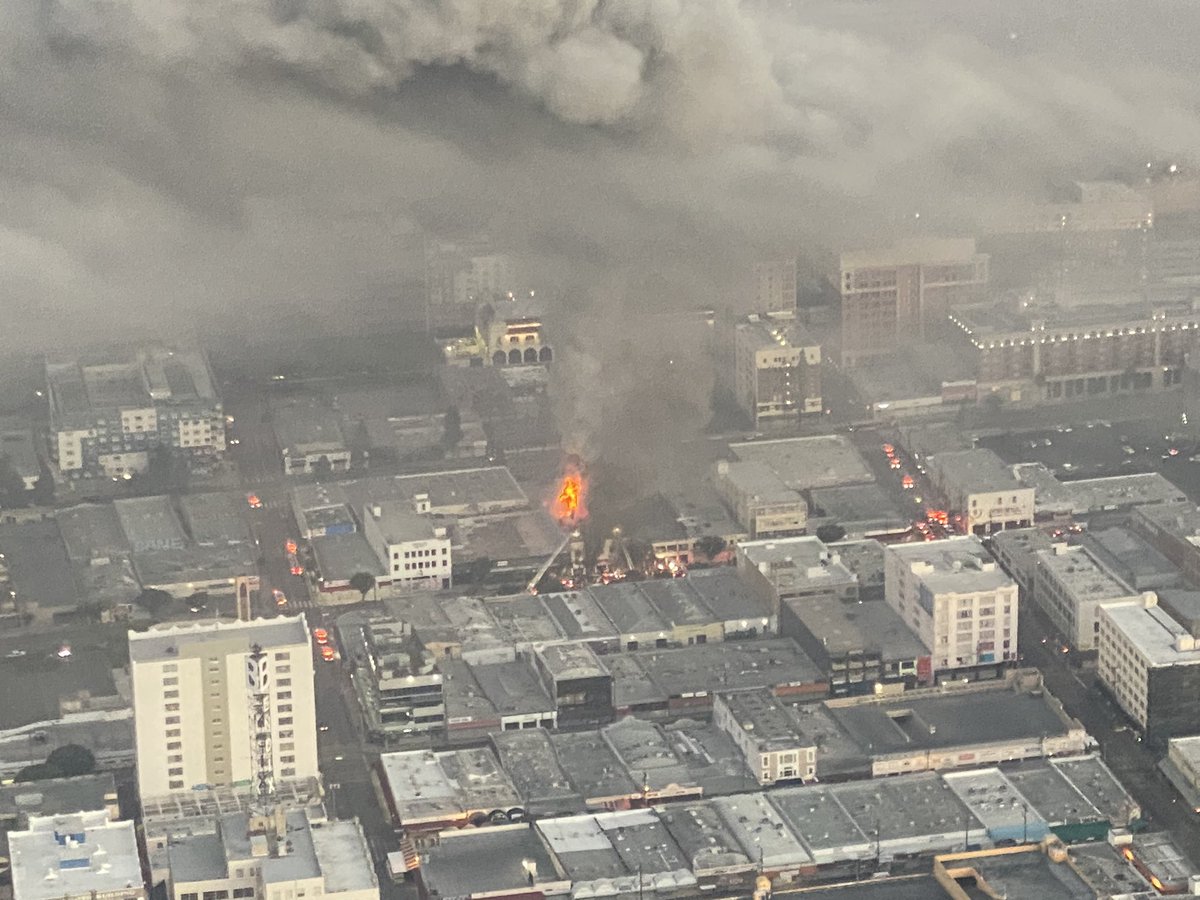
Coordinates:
262 752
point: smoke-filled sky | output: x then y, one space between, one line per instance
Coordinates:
170 163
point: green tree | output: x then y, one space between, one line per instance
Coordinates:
72 760
37 772
154 601
12 486
453 428
710 545
362 582
830 533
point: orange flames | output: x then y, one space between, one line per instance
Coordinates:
570 502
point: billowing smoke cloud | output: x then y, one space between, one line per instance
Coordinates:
168 164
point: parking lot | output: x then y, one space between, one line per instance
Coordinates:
1100 448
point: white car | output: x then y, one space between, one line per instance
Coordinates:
14 654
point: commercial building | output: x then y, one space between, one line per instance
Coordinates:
578 682
409 543
983 724
310 437
777 371
860 645
80 856
18 447
1053 354
903 293
1182 767
400 687
980 487
958 600
512 333
462 274
429 791
108 415
1151 666
761 502
768 734
1070 585
1017 550
1132 558
797 568
1174 530
21 802
222 702
275 856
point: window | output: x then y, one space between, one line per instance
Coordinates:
170 695
173 732
171 681
171 667
287 773
286 720
174 771
172 707
287 759
282 670
283 655
285 695
176 785
175 758
175 745
283 682
172 720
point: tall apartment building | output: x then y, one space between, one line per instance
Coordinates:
1150 663
777 370
957 600
194 698
413 549
775 285
106 416
903 293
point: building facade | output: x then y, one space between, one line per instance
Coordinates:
406 690
415 551
768 734
904 293
1070 585
957 600
1150 664
194 700
777 375
108 416
979 487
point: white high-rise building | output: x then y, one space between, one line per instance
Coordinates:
194 689
956 598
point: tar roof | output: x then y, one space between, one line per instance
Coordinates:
628 608
1092 778
903 725
906 807
808 462
512 687
37 563
857 505
1029 874
646 753
974 470
844 627
728 666
1078 571
815 814
482 860
91 530
997 802
769 724
150 523
341 556
166 642
343 856
58 795
1051 793
524 618
760 830
725 594
704 839
215 518
530 759
579 615
592 767
197 857
571 661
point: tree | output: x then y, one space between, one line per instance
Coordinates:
322 468
72 760
362 582
12 486
452 433
710 545
154 601
830 533
166 473
37 772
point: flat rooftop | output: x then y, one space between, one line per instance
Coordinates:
760 830
731 665
74 855
1027 874
1129 554
483 860
343 856
524 618
767 722
992 322
997 802
629 609
519 536
858 507
91 531
171 641
952 565
704 840
973 471
58 796
38 567
1152 631
766 334
594 770
570 661
578 615
341 556
531 761
646 753
398 522
34 685
906 808
910 252
814 813
512 688
725 594
1092 495
795 563
215 519
1080 574
302 427
846 627
952 720
1092 778
1051 794
807 462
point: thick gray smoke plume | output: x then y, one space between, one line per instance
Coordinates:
170 163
